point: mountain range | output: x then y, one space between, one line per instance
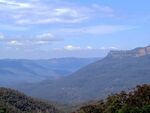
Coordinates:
76 80
15 71
119 70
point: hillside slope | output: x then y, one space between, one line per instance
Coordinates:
135 101
96 80
12 101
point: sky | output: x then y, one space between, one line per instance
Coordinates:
44 29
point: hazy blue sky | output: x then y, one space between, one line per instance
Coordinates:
66 28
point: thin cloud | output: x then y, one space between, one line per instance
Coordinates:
87 48
14 4
93 30
41 12
45 38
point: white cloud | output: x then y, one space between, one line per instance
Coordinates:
71 48
41 42
13 4
66 11
41 12
51 15
44 38
14 43
109 48
87 48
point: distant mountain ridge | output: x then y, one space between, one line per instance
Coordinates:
14 71
98 79
137 52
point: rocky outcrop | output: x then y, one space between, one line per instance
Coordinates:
137 52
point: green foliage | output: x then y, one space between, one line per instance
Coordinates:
12 101
90 109
2 110
136 101
126 109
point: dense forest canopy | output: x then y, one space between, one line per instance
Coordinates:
135 101
12 101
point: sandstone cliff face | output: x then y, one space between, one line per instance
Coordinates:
138 52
